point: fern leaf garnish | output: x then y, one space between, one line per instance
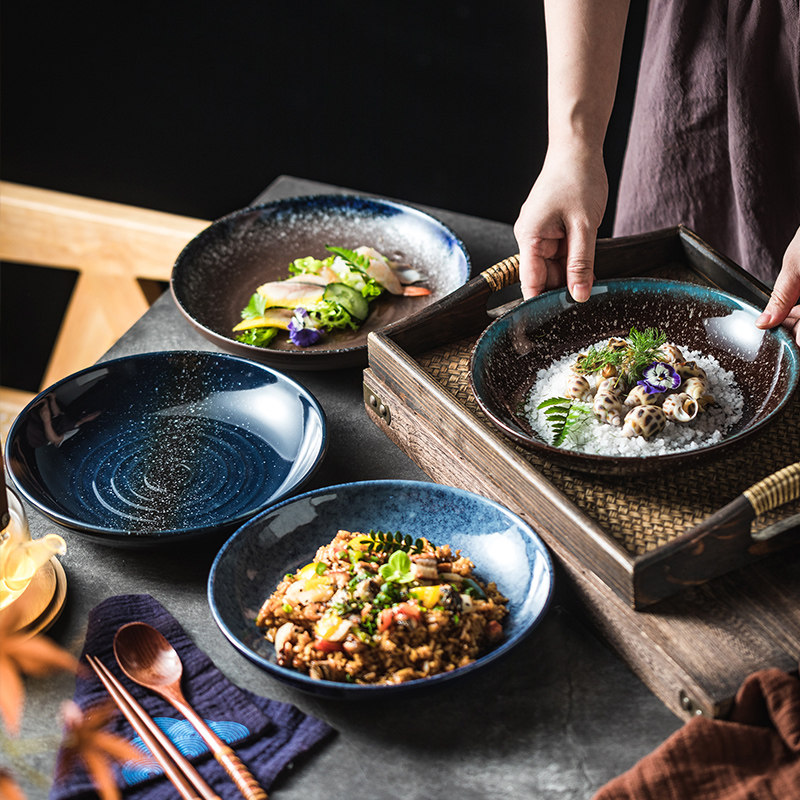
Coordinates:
380 542
563 414
357 261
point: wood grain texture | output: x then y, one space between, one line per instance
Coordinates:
696 549
112 246
694 650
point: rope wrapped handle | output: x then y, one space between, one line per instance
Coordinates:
781 487
504 273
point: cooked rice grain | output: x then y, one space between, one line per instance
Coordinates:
440 640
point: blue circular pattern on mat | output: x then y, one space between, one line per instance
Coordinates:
185 738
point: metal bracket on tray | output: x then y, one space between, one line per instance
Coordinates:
375 403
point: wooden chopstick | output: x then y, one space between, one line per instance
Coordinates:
186 779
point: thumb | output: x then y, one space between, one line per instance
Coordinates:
787 287
581 241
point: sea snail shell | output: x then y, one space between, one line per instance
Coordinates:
690 369
578 387
697 388
617 345
672 353
639 396
608 408
613 385
644 421
680 407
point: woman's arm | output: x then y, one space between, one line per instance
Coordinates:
557 226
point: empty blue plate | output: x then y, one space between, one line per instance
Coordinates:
503 548
164 446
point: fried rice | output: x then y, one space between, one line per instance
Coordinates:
377 608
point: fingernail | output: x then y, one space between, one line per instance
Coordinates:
765 320
581 292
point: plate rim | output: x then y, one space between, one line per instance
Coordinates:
638 463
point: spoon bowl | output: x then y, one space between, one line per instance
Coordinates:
146 657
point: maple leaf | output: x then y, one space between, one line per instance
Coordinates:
9 790
21 654
85 740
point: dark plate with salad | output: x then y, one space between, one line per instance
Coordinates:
299 283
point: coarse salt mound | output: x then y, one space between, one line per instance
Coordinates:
597 438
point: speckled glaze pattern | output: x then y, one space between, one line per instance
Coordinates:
218 271
165 446
503 548
510 352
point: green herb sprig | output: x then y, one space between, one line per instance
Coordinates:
564 415
357 261
643 348
380 542
397 569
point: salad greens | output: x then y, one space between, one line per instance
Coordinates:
343 304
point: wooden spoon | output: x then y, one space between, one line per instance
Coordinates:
148 659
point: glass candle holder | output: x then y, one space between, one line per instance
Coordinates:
21 556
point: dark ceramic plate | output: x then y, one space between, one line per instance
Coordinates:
540 331
219 270
161 447
254 560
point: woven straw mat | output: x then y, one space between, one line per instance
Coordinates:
643 513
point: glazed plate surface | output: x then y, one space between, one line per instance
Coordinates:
161 447
219 270
538 332
254 560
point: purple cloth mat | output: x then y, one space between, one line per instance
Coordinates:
266 734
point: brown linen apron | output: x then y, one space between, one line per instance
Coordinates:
715 134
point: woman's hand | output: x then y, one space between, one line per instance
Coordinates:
782 308
557 225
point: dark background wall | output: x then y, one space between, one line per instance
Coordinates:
194 107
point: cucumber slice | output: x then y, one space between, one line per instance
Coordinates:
351 299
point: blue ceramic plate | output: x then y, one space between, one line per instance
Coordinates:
538 332
503 548
218 271
160 447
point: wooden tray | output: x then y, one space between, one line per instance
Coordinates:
625 542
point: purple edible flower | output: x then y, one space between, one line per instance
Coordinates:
302 330
659 377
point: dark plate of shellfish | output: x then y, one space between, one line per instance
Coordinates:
709 380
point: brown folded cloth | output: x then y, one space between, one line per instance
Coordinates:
752 755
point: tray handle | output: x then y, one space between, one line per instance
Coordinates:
504 273
781 487
725 540
454 316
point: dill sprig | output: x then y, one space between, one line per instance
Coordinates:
627 358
